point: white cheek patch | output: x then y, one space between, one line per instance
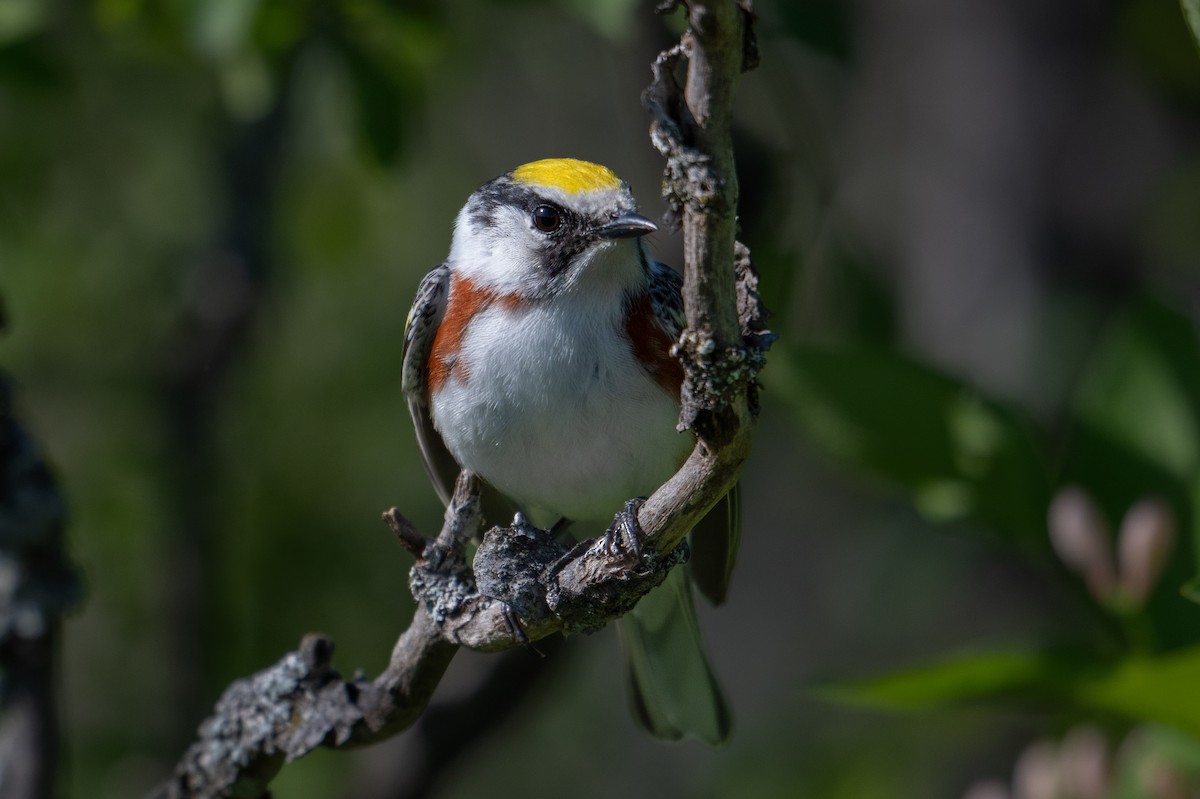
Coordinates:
504 257
507 255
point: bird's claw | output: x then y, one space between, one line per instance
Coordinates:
516 629
625 534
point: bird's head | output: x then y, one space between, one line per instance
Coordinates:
551 226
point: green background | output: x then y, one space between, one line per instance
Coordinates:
978 232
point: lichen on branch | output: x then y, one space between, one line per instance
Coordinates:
523 585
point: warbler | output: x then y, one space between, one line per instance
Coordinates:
538 355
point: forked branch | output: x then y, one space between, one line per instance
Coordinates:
524 585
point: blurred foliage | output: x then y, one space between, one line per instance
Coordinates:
897 535
959 456
1150 762
1191 12
1161 45
1132 433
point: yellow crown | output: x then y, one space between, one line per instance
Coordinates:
567 174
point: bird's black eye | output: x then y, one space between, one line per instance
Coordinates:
546 218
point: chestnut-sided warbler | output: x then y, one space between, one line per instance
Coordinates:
538 357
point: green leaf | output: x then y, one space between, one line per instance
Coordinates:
1116 475
1191 12
1160 689
1139 435
965 678
958 455
1142 387
21 18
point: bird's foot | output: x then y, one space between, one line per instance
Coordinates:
516 629
625 534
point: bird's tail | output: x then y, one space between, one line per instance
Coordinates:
674 690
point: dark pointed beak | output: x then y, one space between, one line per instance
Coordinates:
626 226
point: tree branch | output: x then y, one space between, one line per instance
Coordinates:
523 584
724 344
300 703
37 585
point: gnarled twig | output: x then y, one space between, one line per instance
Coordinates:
523 585
37 585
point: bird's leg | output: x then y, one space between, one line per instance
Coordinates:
625 534
513 622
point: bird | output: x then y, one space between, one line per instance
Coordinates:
538 356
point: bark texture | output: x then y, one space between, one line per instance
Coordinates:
37 585
523 585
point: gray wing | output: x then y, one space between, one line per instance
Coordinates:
419 331
666 298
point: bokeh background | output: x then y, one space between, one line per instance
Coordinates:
978 225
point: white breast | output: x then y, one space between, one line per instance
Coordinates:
554 411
